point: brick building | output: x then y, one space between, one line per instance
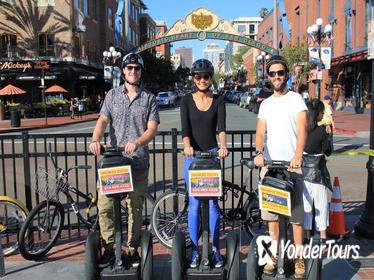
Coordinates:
162 50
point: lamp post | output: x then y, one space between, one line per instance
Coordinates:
262 58
111 71
316 36
42 87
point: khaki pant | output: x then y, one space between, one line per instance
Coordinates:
134 202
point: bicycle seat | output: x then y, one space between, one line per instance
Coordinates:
247 162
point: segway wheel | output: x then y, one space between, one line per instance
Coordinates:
147 256
313 267
253 269
178 256
232 262
92 256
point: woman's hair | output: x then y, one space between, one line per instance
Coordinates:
315 108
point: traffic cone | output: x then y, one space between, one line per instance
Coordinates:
336 226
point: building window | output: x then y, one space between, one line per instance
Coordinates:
85 7
45 3
253 37
8 45
297 12
367 19
241 28
251 28
110 17
46 45
92 10
348 26
77 46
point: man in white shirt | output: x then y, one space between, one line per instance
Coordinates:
282 117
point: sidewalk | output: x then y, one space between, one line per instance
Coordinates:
66 260
348 123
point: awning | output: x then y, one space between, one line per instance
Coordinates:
55 89
11 90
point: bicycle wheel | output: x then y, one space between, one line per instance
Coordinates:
166 220
41 230
253 225
12 216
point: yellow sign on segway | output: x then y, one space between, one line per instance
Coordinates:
205 183
113 180
274 200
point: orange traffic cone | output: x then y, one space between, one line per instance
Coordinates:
336 226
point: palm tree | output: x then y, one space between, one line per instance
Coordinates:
27 21
263 12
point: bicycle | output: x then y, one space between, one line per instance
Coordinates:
171 211
13 214
43 225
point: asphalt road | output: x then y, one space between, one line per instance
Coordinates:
351 170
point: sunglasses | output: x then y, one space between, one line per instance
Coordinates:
280 73
135 68
206 77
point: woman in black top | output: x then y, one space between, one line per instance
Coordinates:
202 114
316 176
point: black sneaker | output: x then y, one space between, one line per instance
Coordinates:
107 258
217 259
135 259
195 259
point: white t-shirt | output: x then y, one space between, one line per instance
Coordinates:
281 131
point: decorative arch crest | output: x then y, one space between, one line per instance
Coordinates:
202 24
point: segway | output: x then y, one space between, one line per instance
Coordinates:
115 177
275 195
205 164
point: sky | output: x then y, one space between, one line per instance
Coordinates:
172 10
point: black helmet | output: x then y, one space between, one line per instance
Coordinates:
202 66
276 59
132 58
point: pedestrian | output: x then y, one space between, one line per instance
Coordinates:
132 115
283 119
202 115
315 173
80 107
72 108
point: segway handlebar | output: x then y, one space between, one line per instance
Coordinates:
250 163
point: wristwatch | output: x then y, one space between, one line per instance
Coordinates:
259 152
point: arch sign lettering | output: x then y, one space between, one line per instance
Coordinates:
202 24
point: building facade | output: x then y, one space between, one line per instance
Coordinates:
186 56
62 42
215 54
147 30
246 26
162 50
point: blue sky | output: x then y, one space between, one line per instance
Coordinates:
172 10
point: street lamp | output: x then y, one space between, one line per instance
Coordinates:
242 73
262 58
316 36
111 71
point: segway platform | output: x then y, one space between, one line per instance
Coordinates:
207 273
120 273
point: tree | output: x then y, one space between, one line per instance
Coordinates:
263 12
297 57
237 59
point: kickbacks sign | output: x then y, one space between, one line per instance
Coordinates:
114 180
205 183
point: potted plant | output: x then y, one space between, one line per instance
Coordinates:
2 110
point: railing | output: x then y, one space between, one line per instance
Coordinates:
22 155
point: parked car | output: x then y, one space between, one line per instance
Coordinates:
259 96
244 99
166 98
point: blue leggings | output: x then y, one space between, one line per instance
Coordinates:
194 214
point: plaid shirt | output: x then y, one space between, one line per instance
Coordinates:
128 120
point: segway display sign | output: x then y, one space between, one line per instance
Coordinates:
114 180
275 200
205 183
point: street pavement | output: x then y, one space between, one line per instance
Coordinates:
66 260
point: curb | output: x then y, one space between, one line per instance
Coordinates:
345 131
20 129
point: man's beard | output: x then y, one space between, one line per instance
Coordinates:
281 87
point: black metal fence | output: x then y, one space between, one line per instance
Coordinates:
22 155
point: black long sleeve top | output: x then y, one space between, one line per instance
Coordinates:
201 126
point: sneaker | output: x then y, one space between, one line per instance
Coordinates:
107 258
269 268
135 259
299 268
217 259
195 259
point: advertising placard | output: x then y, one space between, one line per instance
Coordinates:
114 180
274 200
205 183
